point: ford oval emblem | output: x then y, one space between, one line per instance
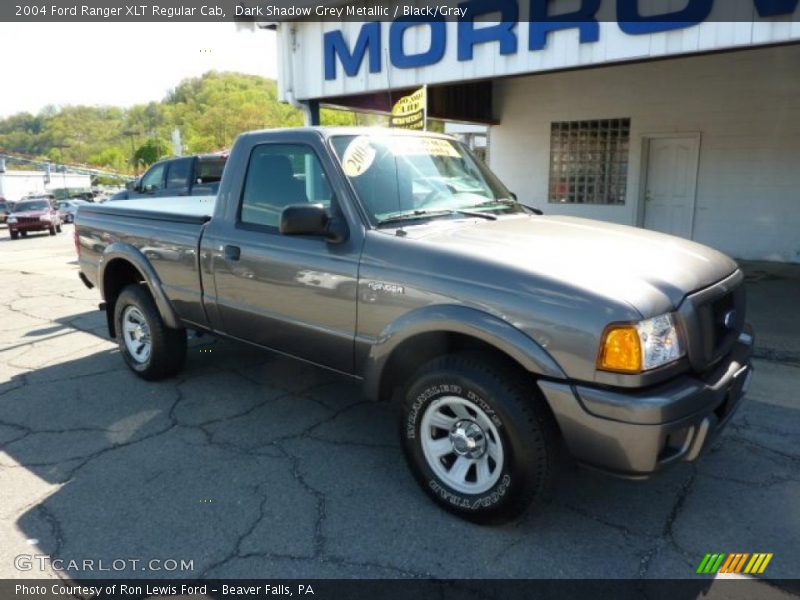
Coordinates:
729 320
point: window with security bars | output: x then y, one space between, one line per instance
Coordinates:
589 161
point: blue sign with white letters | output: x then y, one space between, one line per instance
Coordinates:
541 23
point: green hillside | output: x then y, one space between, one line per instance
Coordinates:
210 112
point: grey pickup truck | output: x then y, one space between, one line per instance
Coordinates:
507 339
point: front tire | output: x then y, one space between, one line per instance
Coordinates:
14 234
58 228
52 230
478 437
151 349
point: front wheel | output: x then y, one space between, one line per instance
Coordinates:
150 348
14 234
52 229
478 437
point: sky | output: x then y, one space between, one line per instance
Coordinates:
120 64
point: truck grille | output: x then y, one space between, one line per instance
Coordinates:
714 318
28 220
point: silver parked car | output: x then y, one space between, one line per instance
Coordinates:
68 208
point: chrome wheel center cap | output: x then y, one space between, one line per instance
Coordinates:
468 439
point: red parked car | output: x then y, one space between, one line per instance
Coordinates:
33 215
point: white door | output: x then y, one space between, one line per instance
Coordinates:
671 184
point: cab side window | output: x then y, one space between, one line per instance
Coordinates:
279 175
153 180
178 174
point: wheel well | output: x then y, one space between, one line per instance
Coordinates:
414 352
118 274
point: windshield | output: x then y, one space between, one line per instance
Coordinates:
400 177
32 205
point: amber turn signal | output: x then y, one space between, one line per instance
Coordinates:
621 350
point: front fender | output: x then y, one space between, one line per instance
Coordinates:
462 320
132 255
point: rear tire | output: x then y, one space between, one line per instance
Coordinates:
58 228
151 349
479 437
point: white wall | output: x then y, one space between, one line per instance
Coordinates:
14 185
745 104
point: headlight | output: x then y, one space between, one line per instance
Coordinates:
637 347
11 220
45 218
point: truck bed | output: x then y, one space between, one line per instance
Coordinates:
187 209
166 231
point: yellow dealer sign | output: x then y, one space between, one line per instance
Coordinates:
410 112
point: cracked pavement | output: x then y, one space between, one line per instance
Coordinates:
254 465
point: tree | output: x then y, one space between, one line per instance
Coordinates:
149 152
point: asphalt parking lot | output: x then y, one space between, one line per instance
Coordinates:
252 465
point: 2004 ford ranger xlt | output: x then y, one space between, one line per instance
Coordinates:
508 339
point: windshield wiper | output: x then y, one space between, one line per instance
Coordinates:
410 215
508 202
502 201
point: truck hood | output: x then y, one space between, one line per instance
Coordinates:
651 271
30 213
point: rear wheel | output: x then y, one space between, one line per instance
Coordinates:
478 437
150 348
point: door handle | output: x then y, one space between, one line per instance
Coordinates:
232 252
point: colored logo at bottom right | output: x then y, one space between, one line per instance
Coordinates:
741 562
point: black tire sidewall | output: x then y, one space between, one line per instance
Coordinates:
134 296
519 479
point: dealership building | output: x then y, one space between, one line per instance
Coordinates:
689 126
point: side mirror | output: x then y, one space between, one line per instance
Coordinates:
312 219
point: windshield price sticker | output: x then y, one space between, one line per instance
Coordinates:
410 146
358 156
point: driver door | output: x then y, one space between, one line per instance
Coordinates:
294 294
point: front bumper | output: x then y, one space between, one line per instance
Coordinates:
40 226
636 433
